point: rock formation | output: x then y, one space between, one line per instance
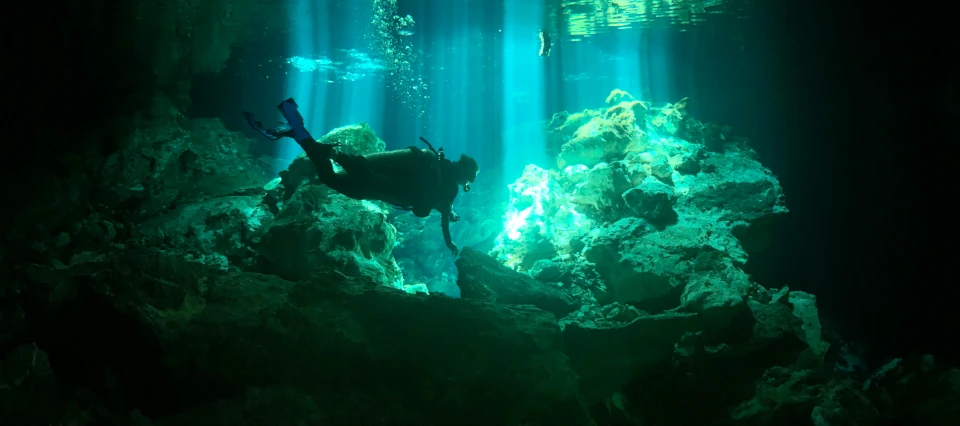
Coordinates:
181 285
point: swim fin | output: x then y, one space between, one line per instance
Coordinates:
280 131
289 110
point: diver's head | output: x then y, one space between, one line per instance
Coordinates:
467 170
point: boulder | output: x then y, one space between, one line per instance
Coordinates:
598 192
741 189
653 269
481 277
318 228
652 200
356 139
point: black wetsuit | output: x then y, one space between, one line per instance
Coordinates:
410 178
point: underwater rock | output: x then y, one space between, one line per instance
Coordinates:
712 137
628 173
782 327
680 257
356 139
481 277
652 200
600 135
91 233
669 118
218 231
919 390
689 166
165 166
784 395
908 392
608 357
733 354
618 305
546 270
652 270
355 349
805 309
540 221
787 312
562 127
740 189
597 141
662 170
598 191
29 392
654 175
717 291
582 274
318 228
300 171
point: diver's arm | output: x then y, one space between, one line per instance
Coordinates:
445 214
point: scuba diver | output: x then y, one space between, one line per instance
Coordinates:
413 179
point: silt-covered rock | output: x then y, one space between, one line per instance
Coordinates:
335 349
318 228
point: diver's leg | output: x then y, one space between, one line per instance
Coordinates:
373 183
291 112
320 154
352 184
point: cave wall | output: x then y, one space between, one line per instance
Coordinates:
86 75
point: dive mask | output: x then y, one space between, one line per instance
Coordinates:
466 187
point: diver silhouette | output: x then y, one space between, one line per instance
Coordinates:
419 180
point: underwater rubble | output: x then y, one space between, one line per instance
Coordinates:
199 291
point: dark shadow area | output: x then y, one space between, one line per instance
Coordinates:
69 93
847 104
93 347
